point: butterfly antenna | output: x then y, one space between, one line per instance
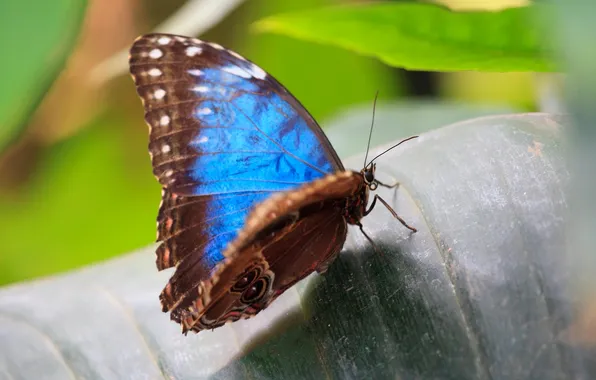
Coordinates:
394 146
371 127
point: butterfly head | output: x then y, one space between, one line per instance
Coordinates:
368 173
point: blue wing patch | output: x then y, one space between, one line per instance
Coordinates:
224 136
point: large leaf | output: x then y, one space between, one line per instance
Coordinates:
37 39
421 36
479 292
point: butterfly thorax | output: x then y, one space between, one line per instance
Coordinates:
355 205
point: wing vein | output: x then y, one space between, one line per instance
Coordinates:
278 144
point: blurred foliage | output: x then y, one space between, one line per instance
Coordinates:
39 43
84 191
576 24
486 5
91 196
478 87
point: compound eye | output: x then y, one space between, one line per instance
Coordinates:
255 292
369 176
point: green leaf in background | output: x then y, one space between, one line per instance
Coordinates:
38 37
92 197
421 36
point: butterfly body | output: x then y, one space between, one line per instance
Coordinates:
254 196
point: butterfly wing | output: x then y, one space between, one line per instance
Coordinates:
224 136
285 238
270 267
220 124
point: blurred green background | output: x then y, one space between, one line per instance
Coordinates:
75 177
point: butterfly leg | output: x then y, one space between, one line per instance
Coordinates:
391 210
394 186
368 238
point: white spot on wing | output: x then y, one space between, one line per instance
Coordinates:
164 40
237 55
154 72
216 46
203 139
191 51
201 88
159 93
256 71
195 72
168 173
165 148
235 70
204 111
155 54
164 120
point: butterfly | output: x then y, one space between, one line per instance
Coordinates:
254 196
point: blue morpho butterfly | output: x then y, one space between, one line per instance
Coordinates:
254 197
